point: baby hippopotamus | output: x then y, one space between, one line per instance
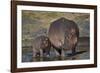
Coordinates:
41 46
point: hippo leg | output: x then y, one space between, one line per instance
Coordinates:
46 52
41 53
62 53
59 51
73 52
56 53
34 53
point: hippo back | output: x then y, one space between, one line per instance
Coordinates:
63 32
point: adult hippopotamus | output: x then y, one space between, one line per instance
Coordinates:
41 46
63 35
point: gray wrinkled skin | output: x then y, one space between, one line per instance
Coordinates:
41 46
63 35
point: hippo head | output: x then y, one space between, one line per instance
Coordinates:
45 42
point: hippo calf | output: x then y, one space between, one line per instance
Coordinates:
63 35
41 46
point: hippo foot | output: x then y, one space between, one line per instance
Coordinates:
46 55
